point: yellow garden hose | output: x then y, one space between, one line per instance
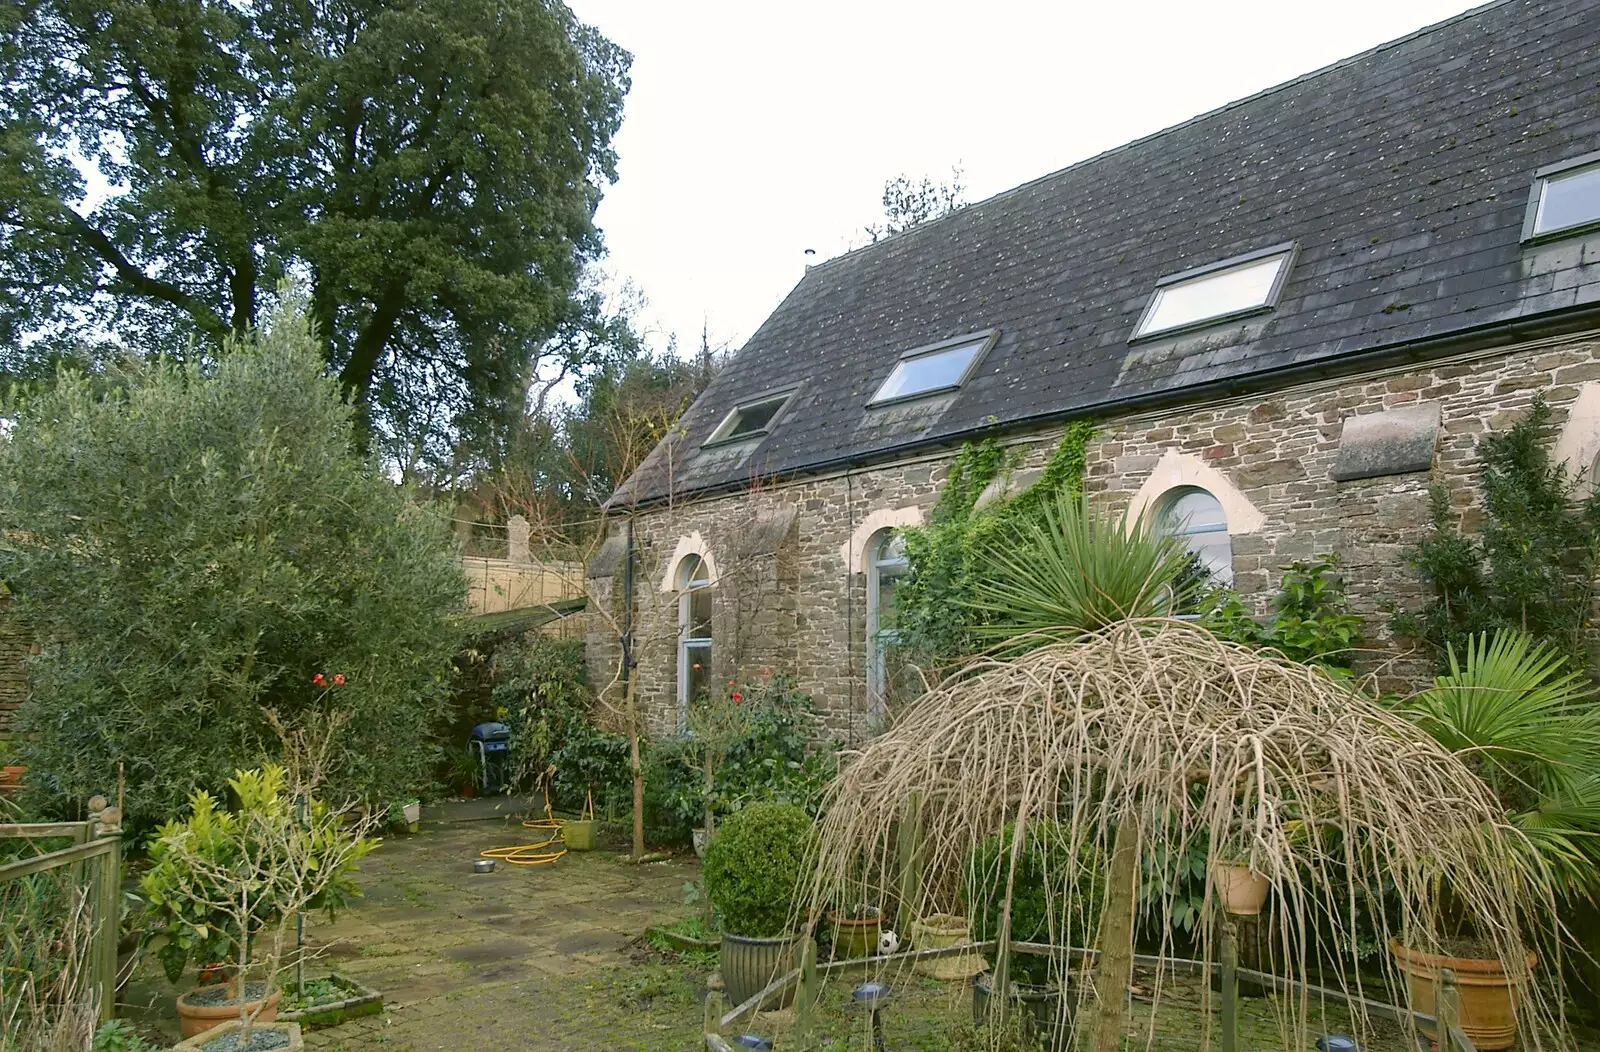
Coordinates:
545 851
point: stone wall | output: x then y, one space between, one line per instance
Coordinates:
1267 458
15 645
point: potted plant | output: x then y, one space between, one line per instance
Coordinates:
1516 713
1241 890
855 931
752 870
1045 865
229 884
411 812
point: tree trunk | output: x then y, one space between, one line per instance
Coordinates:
1115 967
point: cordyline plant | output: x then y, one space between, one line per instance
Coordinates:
237 880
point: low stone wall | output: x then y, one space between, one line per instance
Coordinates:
1267 458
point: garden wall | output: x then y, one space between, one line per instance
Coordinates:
1271 459
15 645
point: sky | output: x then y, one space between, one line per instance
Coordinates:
756 130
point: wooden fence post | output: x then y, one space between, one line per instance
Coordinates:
713 1020
109 923
805 997
1447 1009
1230 985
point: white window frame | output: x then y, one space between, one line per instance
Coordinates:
729 422
879 640
1541 179
1287 251
1167 526
986 340
689 645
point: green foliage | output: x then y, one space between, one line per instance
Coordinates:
118 1035
539 688
1515 712
1078 570
1310 620
770 759
199 543
1533 566
934 617
753 867
593 761
432 167
1055 895
263 844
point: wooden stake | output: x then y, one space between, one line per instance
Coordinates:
1230 985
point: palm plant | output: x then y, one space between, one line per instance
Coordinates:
1079 571
1526 722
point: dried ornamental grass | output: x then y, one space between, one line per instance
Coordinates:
1158 728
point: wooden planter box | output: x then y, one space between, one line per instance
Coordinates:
360 1000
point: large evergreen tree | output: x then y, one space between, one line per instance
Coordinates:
429 169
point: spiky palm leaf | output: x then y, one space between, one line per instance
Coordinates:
1519 715
1079 571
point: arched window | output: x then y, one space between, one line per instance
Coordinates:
1197 517
886 565
694 629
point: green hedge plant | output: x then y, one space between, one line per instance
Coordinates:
1051 879
753 867
195 542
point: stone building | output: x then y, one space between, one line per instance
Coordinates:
1285 318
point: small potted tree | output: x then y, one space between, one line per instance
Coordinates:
230 884
717 721
752 869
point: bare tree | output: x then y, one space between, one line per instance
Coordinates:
908 202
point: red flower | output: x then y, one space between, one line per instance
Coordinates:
338 679
318 680
737 696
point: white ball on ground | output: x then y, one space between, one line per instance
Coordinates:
888 942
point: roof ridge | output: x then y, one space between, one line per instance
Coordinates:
1471 12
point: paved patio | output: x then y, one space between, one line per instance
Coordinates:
540 957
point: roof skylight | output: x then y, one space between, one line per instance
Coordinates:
1565 199
942 366
751 419
1233 287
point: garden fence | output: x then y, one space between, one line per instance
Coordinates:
806 978
91 866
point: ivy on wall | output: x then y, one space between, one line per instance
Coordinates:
932 622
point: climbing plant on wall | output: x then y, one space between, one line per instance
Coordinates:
933 618
1532 567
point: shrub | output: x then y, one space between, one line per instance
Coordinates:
1046 871
753 866
281 861
1310 621
197 541
539 688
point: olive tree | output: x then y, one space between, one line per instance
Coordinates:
197 544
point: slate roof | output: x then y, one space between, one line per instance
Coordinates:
1402 173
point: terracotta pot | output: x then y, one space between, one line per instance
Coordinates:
1243 891
749 965
1488 1003
11 777
196 1019
855 937
198 1042
938 931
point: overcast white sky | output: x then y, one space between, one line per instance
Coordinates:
756 129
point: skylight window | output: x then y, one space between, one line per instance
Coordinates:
751 419
1228 289
1565 199
937 367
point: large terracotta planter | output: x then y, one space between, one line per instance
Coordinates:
198 1042
1488 1003
940 931
1242 890
749 965
197 1018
